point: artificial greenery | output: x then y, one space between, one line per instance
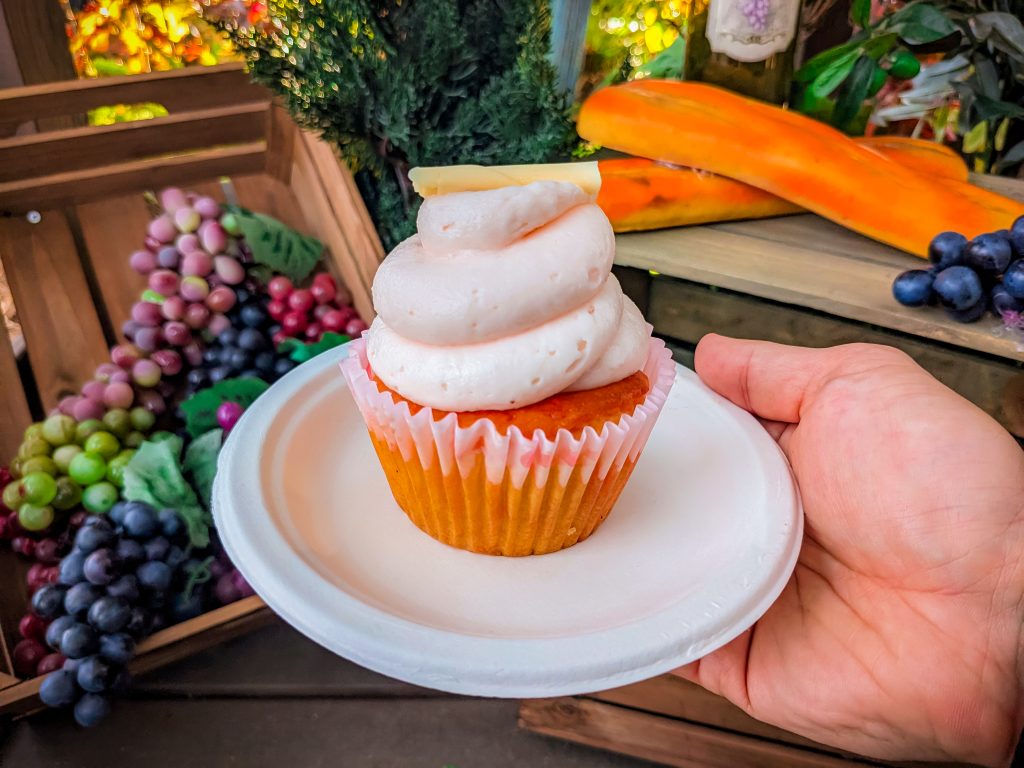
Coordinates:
404 83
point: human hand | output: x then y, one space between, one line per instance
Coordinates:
899 635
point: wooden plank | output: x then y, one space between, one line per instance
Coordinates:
281 133
807 274
62 329
137 175
336 214
664 740
14 413
161 648
189 89
687 311
13 600
54 152
266 194
39 41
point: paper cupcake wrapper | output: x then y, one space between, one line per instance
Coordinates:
512 494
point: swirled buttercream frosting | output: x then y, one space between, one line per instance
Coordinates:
503 298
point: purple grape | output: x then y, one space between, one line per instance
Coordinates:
142 262
99 567
228 414
207 207
225 590
146 313
162 229
193 354
127 586
172 198
213 237
109 614
197 316
164 281
241 585
177 333
168 360
168 257
187 243
154 576
228 269
94 390
129 329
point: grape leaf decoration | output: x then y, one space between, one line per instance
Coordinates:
200 410
200 463
154 476
276 245
300 352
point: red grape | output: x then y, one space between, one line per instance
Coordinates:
228 414
147 314
162 229
197 316
279 287
194 288
196 264
314 331
152 244
177 333
120 376
47 551
142 262
94 390
164 281
193 353
51 662
207 207
221 299
187 243
335 320
67 404
36 576
148 339
32 627
168 360
174 307
172 199
120 395
23 545
322 292
320 310
294 323
301 300
78 519
6 531
27 655
278 337
124 355
218 324
323 278
152 401
213 237
146 373
86 409
186 219
229 270
277 309
355 328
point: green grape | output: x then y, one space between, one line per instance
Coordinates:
38 488
59 429
15 466
115 469
12 497
35 518
87 468
118 421
39 464
134 439
99 497
103 443
33 446
69 494
62 456
87 428
33 432
142 419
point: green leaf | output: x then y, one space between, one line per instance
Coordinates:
1014 154
300 352
974 140
860 13
277 245
999 141
834 75
877 47
201 463
1005 31
987 109
154 476
818 64
920 23
853 92
200 410
667 64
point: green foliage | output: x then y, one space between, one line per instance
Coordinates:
154 476
276 245
200 463
300 352
200 410
403 83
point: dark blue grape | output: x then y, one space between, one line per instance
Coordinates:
989 254
110 614
253 316
138 622
211 356
56 630
1017 238
913 288
219 373
228 337
239 359
969 315
140 522
94 674
116 513
171 524
59 689
252 340
70 569
197 378
175 557
275 328
283 366
947 249
958 288
264 362
118 648
91 709
98 521
100 567
156 548
130 552
80 598
48 601
249 373
79 640
184 608
91 537
154 576
243 296
1013 279
1003 302
126 587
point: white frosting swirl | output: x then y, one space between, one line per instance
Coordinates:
502 299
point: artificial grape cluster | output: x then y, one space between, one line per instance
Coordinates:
111 587
245 348
969 278
308 313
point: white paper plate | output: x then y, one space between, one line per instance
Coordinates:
701 542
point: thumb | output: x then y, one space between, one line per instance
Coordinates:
772 381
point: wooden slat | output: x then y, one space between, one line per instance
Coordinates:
57 152
39 41
687 312
189 89
13 600
164 647
268 195
14 413
62 330
664 740
338 217
154 173
281 133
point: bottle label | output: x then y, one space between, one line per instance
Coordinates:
752 30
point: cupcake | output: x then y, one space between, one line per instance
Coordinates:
507 384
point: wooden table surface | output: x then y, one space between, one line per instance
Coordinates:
274 698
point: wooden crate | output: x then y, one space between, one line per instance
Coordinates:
71 211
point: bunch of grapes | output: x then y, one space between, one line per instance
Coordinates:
113 588
307 313
970 277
